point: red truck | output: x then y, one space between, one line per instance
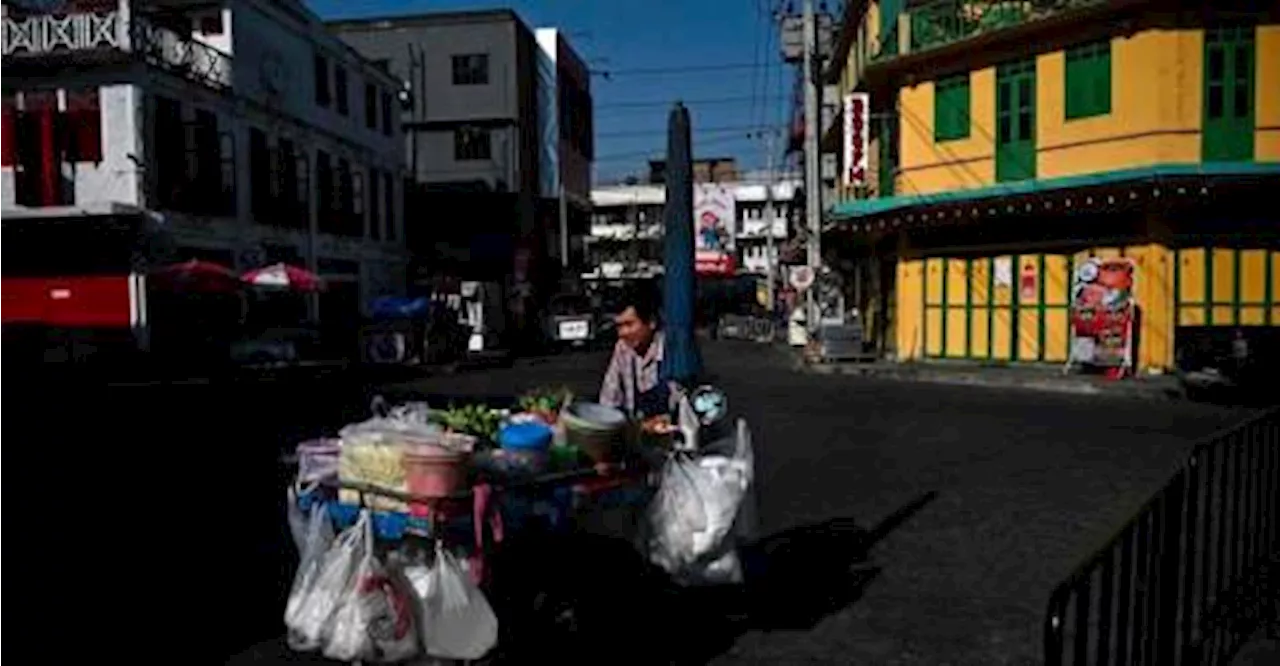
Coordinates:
75 289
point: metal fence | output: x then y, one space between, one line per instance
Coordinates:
1192 574
739 327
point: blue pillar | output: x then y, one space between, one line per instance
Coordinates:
681 362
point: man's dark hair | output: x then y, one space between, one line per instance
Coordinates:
643 299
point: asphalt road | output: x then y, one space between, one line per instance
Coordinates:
956 509
979 501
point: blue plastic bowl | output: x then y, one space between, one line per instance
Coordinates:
525 437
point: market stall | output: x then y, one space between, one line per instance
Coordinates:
397 517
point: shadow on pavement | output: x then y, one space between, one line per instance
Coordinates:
583 598
799 576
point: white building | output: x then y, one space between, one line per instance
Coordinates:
626 227
243 127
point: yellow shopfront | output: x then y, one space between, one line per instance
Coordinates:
1015 307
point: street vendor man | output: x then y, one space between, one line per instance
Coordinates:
633 381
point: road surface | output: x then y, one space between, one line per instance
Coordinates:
160 508
1013 488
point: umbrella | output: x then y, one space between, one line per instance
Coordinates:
284 276
197 275
681 361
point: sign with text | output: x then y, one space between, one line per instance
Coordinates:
714 218
856 140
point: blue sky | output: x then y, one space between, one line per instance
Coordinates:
720 57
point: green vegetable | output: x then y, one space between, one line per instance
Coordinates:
476 420
544 399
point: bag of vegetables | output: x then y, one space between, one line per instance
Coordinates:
373 450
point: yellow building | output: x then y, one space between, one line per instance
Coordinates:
1014 139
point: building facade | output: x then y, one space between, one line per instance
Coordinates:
195 113
498 131
1010 144
627 228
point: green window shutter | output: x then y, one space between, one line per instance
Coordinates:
1230 55
1088 80
951 108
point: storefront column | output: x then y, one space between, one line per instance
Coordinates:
909 306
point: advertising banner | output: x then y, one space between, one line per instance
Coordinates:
1103 312
856 140
714 216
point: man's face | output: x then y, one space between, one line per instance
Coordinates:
633 330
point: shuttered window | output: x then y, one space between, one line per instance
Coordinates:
1088 80
951 108
84 126
8 148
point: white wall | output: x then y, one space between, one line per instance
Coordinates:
754 258
548 112
272 89
116 179
275 66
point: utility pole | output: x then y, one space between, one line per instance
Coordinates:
564 233
769 254
812 158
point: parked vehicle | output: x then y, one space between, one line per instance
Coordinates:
573 322
277 346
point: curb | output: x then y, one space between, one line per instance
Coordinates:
1036 384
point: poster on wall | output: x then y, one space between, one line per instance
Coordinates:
1003 272
714 216
1028 282
1102 317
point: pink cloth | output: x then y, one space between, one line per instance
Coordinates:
482 508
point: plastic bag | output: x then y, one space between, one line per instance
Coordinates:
316 542
694 514
312 623
412 419
318 460
372 450
457 621
375 619
298 519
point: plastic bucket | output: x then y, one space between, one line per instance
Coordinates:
594 429
433 472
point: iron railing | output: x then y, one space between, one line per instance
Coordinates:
1192 574
83 35
941 22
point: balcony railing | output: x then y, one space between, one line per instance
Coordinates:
938 23
41 37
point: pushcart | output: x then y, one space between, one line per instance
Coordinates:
535 545
562 556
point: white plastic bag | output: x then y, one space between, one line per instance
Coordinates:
374 621
457 621
698 511
312 623
317 538
297 519
411 419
